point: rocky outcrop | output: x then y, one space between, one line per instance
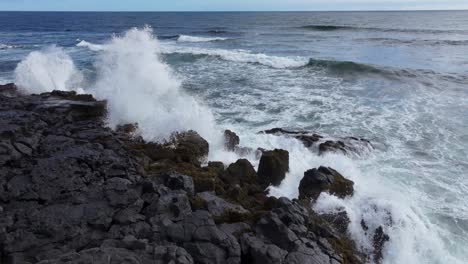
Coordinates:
324 179
75 191
324 145
273 167
346 146
231 140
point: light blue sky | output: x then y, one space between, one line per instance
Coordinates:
228 5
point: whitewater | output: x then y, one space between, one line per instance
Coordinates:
175 85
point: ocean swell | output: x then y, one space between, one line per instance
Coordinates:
359 28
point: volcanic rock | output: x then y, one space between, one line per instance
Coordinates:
231 140
324 179
273 167
75 191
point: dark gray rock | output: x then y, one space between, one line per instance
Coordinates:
379 240
239 172
323 179
342 145
346 146
258 251
172 254
176 181
231 140
74 191
218 206
273 167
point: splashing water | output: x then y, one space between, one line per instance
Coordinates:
141 88
51 69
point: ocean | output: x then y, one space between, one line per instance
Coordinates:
399 79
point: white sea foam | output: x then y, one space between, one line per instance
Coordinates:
238 55
186 38
141 88
243 56
5 46
47 70
91 46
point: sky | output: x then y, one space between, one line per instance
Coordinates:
228 5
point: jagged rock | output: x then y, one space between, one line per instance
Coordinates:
379 240
186 147
239 172
203 240
258 251
339 221
190 147
173 206
308 139
75 191
8 89
102 256
176 181
276 231
218 206
273 167
127 128
346 146
323 179
171 254
231 140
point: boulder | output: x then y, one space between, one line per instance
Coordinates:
176 181
341 145
8 89
379 240
258 251
273 167
324 179
182 147
190 147
240 172
218 206
231 140
346 146
308 139
171 254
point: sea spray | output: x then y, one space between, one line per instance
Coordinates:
141 88
47 70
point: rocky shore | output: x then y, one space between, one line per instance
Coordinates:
73 190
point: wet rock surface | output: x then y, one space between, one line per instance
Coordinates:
324 179
74 191
324 145
231 140
273 167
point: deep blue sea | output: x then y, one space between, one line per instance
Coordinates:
399 79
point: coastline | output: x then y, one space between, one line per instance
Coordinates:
74 190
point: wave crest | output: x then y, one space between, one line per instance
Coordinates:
186 38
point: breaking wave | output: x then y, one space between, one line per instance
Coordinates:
242 56
131 76
186 38
91 46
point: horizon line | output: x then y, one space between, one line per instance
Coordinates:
235 11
